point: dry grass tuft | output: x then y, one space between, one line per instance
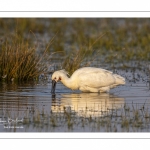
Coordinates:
19 60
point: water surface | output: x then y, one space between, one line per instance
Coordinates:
32 108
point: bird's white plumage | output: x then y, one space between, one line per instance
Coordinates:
89 79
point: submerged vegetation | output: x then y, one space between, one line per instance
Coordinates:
128 118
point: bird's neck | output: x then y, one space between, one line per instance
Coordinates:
69 82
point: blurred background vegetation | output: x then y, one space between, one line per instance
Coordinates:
77 39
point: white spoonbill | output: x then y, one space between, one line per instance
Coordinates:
88 79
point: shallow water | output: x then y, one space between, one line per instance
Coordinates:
32 108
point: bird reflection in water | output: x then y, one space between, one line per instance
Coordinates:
87 104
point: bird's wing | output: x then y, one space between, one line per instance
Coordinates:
96 78
90 70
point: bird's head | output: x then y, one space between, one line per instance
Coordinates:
57 76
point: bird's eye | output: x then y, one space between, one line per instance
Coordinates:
55 78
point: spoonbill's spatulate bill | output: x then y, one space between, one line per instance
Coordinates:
88 79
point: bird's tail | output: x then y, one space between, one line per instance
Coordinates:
119 80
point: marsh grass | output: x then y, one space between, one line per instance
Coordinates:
74 60
66 118
19 60
80 57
